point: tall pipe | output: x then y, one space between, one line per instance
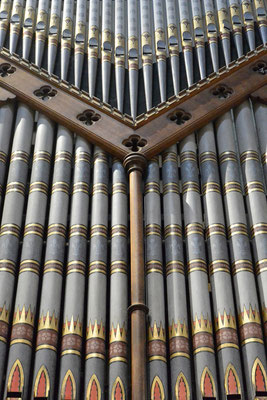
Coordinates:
95 352
202 331
157 357
178 306
146 50
133 54
120 51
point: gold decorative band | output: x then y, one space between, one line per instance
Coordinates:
251 340
15 187
219 266
3 339
119 230
34 229
169 157
95 355
118 266
188 156
97 266
194 228
211 187
29 266
157 358
53 266
119 188
118 359
63 156
227 345
3 157
152 187
76 352
7 266
172 230
60 187
228 156
264 158
56 229
175 266
254 186
42 156
153 229
231 187
171 187
154 266
19 155
179 354
98 230
241 266
39 187
100 188
207 156
196 265
190 186
21 341
10 229
78 230
237 229
46 347
80 187
82 156
249 155
215 229
258 229
101 157
201 349
261 266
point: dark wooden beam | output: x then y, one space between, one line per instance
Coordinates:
150 133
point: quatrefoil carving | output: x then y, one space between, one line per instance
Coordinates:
260 67
180 117
222 92
88 117
134 142
6 69
45 93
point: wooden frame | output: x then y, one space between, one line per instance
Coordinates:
150 133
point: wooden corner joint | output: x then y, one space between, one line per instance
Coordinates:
260 95
6 96
151 132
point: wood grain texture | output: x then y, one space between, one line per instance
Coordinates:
155 127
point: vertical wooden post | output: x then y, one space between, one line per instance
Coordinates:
135 165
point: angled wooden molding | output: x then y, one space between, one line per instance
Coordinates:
149 133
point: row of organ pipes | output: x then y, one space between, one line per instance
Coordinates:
64 260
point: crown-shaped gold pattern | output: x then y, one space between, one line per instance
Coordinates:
23 316
48 322
264 313
225 321
156 333
117 334
72 327
249 316
201 325
4 314
178 329
95 331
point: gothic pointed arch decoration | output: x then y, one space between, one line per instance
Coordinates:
259 376
182 391
16 378
118 392
42 383
157 389
231 381
93 389
68 388
207 384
